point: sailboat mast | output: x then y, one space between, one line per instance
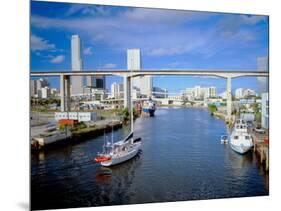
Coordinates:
131 105
112 134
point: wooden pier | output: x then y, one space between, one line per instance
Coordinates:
261 148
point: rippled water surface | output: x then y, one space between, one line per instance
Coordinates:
181 159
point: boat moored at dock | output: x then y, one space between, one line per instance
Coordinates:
240 140
149 108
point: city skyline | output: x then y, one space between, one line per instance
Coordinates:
198 40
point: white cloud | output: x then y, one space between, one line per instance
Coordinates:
167 51
40 44
166 32
87 10
109 65
57 59
87 51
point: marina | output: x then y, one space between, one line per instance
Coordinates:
181 158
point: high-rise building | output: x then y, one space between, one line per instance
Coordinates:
210 92
33 88
76 65
198 92
262 64
40 83
239 93
264 110
97 82
117 90
37 85
144 83
160 93
45 92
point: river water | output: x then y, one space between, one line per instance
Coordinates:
181 159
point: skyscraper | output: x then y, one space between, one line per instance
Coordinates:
144 83
76 65
262 64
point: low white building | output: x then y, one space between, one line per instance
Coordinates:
80 116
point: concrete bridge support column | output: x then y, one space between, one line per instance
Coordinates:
65 93
127 92
229 97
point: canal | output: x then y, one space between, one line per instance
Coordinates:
181 159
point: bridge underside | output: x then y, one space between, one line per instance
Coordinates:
128 75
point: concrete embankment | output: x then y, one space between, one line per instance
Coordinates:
73 136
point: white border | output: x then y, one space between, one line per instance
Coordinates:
14 148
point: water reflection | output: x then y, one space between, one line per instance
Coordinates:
182 159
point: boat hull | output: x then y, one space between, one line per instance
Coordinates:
121 159
148 111
241 149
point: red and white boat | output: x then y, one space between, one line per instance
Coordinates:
119 152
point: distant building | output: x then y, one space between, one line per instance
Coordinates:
136 92
243 93
76 65
199 92
262 65
54 92
223 95
97 82
210 92
239 93
33 88
42 82
264 110
248 92
36 86
117 90
144 83
159 93
189 94
45 93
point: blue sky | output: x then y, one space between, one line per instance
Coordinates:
167 39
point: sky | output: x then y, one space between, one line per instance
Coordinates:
167 39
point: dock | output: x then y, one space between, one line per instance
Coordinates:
261 147
73 136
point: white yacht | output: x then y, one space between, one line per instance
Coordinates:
240 140
119 152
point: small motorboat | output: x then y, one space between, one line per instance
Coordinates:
224 139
